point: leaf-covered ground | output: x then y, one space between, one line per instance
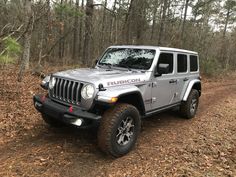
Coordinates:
168 145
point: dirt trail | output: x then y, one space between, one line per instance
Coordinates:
168 145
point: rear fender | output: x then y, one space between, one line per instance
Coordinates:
190 87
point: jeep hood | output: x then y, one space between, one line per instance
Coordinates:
107 77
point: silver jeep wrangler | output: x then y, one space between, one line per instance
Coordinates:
128 83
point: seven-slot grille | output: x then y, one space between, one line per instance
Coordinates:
67 91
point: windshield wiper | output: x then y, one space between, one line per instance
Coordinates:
124 66
118 65
106 64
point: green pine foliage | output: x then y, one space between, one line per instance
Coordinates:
210 67
11 49
67 10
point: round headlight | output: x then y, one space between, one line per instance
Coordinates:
52 82
45 80
87 91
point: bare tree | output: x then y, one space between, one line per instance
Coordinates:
183 23
154 17
81 25
78 29
76 23
230 7
163 21
27 39
126 26
140 20
113 22
88 32
61 31
103 25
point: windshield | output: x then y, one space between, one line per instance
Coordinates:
128 58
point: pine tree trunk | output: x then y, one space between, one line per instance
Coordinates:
112 24
87 53
162 24
183 24
81 25
75 37
126 26
48 30
226 22
61 31
140 13
103 26
154 21
27 38
224 58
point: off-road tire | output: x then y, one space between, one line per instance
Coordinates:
185 108
52 122
110 122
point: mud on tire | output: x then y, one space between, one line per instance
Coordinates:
119 129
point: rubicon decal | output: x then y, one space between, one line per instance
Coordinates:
121 82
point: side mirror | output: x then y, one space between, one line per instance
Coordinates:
96 61
162 69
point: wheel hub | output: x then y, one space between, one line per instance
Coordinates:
193 105
125 131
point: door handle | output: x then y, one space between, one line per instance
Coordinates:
186 79
173 81
154 84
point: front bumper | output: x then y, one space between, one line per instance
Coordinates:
67 114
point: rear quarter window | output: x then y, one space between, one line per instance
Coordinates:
193 63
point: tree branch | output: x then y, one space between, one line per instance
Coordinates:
55 44
109 10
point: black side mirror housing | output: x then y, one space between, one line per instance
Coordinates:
162 68
96 61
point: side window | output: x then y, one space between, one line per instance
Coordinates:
193 63
181 63
166 58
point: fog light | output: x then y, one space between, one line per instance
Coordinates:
37 104
78 122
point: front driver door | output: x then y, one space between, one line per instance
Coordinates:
163 87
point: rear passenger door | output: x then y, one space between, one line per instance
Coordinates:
182 76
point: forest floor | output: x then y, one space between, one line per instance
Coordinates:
167 146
